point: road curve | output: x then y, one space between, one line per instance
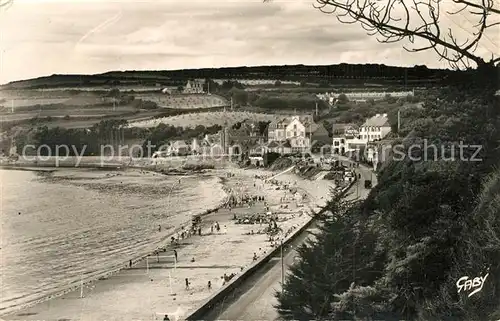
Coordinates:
254 299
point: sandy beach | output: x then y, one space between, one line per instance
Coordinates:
148 290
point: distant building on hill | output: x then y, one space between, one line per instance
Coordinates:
375 128
364 96
178 147
193 87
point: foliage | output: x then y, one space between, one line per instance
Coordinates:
358 112
426 224
422 20
230 84
327 265
262 125
342 99
276 103
162 134
114 132
240 96
144 104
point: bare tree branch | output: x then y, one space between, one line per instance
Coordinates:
397 20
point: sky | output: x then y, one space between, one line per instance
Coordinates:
42 37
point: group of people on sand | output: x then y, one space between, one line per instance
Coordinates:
216 227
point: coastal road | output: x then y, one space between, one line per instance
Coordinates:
254 299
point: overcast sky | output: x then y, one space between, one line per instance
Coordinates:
39 37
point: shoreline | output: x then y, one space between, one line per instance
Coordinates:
105 275
99 276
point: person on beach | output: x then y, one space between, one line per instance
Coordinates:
187 284
159 228
212 229
166 318
209 285
175 254
254 256
130 263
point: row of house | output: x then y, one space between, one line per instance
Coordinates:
284 135
364 96
240 140
289 135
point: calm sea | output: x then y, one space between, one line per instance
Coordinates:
57 228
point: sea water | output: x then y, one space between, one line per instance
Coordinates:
59 228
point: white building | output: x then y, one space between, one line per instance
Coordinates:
344 137
352 140
295 129
375 128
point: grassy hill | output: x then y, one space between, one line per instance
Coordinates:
321 75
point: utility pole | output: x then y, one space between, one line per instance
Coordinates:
316 109
357 186
282 268
399 120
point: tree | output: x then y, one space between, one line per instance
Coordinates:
390 99
115 93
180 88
330 264
393 21
240 96
342 99
277 83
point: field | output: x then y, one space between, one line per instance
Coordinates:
205 119
85 108
71 112
184 101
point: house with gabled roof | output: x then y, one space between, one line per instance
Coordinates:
193 86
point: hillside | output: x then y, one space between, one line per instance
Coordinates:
333 74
